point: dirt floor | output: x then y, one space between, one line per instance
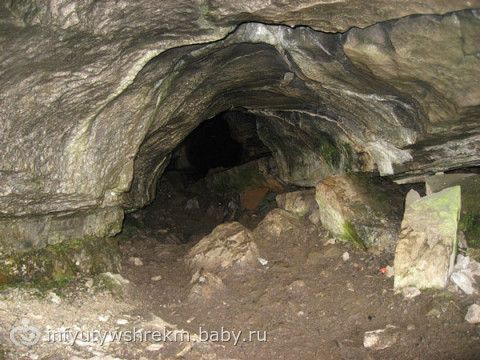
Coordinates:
306 302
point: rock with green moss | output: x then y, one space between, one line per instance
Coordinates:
426 249
362 209
34 232
114 283
470 214
58 263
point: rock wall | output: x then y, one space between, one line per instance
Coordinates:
95 95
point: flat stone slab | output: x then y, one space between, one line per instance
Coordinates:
426 248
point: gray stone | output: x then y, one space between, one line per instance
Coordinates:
439 182
426 248
470 215
473 314
411 197
360 209
36 232
464 273
382 338
410 292
229 246
301 203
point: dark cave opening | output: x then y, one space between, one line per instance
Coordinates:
224 141
214 176
211 146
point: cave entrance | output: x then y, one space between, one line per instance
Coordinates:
221 172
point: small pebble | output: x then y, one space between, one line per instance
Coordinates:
54 298
154 347
473 314
103 318
331 241
262 261
135 261
410 292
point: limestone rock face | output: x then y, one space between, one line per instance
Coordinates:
96 94
360 209
426 249
229 247
38 232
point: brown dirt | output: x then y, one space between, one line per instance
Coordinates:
310 303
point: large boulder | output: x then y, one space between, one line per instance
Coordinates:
361 209
229 246
426 249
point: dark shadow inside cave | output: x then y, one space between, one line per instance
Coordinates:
224 141
221 172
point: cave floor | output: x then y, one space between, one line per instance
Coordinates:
307 300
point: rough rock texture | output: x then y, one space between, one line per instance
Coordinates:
252 180
37 232
276 222
382 338
473 314
301 202
464 274
470 215
281 230
360 209
60 262
206 287
254 174
426 248
229 246
96 94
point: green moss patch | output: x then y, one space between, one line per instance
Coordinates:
351 235
470 225
58 264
